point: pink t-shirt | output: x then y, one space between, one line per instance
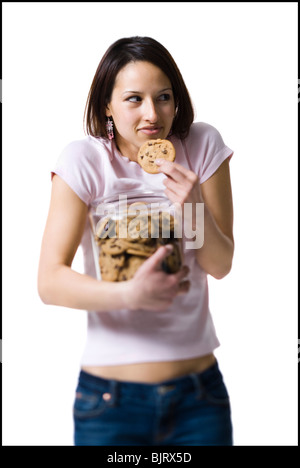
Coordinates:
93 168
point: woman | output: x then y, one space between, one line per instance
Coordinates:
150 339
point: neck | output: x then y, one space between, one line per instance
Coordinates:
129 152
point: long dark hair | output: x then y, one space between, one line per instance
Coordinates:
119 54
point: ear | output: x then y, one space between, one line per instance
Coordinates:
107 111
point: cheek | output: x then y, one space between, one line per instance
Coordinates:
168 112
125 123
127 119
172 111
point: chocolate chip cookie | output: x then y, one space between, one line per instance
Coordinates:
152 150
135 240
110 266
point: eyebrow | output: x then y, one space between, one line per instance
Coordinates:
139 92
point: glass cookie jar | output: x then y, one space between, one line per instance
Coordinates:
128 227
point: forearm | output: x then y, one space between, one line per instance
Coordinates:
62 286
215 256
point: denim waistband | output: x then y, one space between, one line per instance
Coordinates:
190 382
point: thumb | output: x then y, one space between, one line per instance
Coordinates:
154 262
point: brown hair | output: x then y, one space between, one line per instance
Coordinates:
119 54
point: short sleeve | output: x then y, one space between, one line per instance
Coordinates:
206 149
78 165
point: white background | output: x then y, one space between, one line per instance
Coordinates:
239 61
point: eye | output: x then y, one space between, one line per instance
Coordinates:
164 97
134 99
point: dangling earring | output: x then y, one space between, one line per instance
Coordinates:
110 128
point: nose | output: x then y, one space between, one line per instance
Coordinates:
150 113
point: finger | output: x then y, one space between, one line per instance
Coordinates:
182 273
175 187
173 197
175 171
155 261
184 287
171 169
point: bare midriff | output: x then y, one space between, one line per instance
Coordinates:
152 372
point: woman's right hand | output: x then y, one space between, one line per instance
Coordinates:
153 289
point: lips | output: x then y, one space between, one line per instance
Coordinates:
150 130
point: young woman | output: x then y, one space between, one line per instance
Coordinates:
148 373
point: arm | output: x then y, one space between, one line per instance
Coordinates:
215 256
217 252
58 284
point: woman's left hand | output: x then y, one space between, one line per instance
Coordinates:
215 216
182 185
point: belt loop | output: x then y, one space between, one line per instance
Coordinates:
196 378
114 391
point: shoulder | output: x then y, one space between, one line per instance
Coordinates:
85 150
205 149
201 132
80 165
203 142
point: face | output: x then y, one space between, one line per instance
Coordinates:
142 106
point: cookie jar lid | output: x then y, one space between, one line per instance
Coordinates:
134 194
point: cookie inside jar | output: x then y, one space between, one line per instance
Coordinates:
126 238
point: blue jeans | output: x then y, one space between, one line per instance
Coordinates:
191 410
